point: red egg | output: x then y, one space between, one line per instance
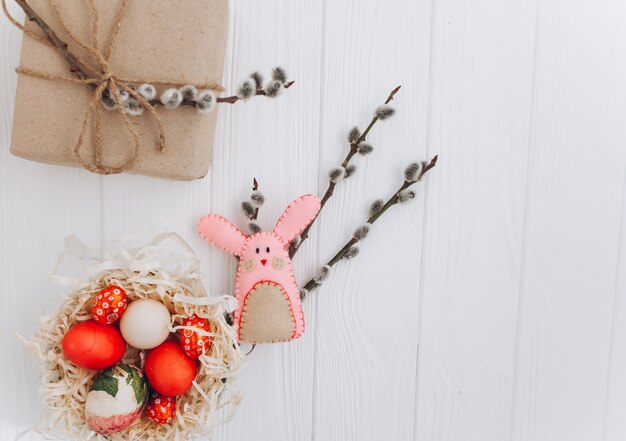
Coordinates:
109 305
93 346
191 341
168 370
160 409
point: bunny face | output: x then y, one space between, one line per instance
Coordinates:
269 300
264 253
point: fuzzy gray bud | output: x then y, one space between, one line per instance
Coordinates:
123 94
257 198
258 80
248 209
171 98
322 274
351 253
205 101
132 107
108 102
376 206
247 89
349 171
383 112
189 92
279 74
365 149
303 293
274 88
413 171
148 91
361 232
406 195
253 227
354 134
336 173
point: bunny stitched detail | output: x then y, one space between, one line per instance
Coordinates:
269 299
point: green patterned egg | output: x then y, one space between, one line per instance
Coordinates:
116 399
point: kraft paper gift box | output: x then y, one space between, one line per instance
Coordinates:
181 41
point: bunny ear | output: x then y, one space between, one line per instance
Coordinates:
298 215
220 232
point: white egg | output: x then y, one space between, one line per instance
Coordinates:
145 323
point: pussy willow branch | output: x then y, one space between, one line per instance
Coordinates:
75 66
79 70
226 99
295 246
312 284
261 92
255 187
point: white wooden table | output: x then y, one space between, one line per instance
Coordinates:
491 308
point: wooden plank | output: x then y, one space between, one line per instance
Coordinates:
39 206
275 141
366 332
481 79
574 209
615 404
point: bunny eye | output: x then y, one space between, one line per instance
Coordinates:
267 249
257 251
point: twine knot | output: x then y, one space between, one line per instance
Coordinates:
106 76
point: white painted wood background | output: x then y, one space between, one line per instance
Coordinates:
492 308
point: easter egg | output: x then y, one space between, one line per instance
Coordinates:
115 399
93 346
191 341
109 305
160 409
169 371
145 324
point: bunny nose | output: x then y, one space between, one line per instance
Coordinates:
263 262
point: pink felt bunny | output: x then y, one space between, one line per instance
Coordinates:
269 299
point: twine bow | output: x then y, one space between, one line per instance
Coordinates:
103 81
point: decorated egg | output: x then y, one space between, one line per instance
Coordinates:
109 305
115 399
160 409
145 324
169 371
93 346
191 341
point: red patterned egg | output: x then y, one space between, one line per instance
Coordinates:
191 341
109 305
161 409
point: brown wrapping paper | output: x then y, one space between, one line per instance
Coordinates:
158 40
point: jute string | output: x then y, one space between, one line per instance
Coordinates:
102 80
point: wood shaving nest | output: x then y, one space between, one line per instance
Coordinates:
156 270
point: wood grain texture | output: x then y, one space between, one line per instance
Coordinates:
366 332
479 119
491 308
614 421
572 223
